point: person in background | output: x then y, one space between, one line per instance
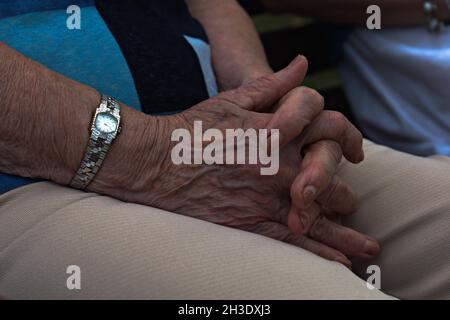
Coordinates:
396 78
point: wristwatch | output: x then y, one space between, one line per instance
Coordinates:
105 128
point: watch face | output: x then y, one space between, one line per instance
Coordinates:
106 123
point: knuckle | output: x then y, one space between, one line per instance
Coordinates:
247 95
319 172
312 96
262 83
341 189
295 93
331 149
345 188
307 92
338 121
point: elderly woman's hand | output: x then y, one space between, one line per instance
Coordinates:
45 130
288 205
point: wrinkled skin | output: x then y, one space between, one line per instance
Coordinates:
296 205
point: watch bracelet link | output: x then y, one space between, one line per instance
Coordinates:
97 147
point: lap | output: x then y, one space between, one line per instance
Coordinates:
131 251
405 204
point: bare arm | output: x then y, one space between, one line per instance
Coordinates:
237 53
393 12
44 127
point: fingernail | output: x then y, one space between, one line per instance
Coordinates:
371 247
309 193
297 59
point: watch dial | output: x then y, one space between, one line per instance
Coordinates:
106 123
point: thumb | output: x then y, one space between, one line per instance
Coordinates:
261 94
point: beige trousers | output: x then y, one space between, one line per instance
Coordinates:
131 251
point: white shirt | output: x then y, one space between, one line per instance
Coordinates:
398 84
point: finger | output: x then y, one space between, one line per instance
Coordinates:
339 197
297 109
332 125
263 93
280 232
331 215
300 221
318 168
321 250
345 240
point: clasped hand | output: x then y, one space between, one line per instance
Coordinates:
302 203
